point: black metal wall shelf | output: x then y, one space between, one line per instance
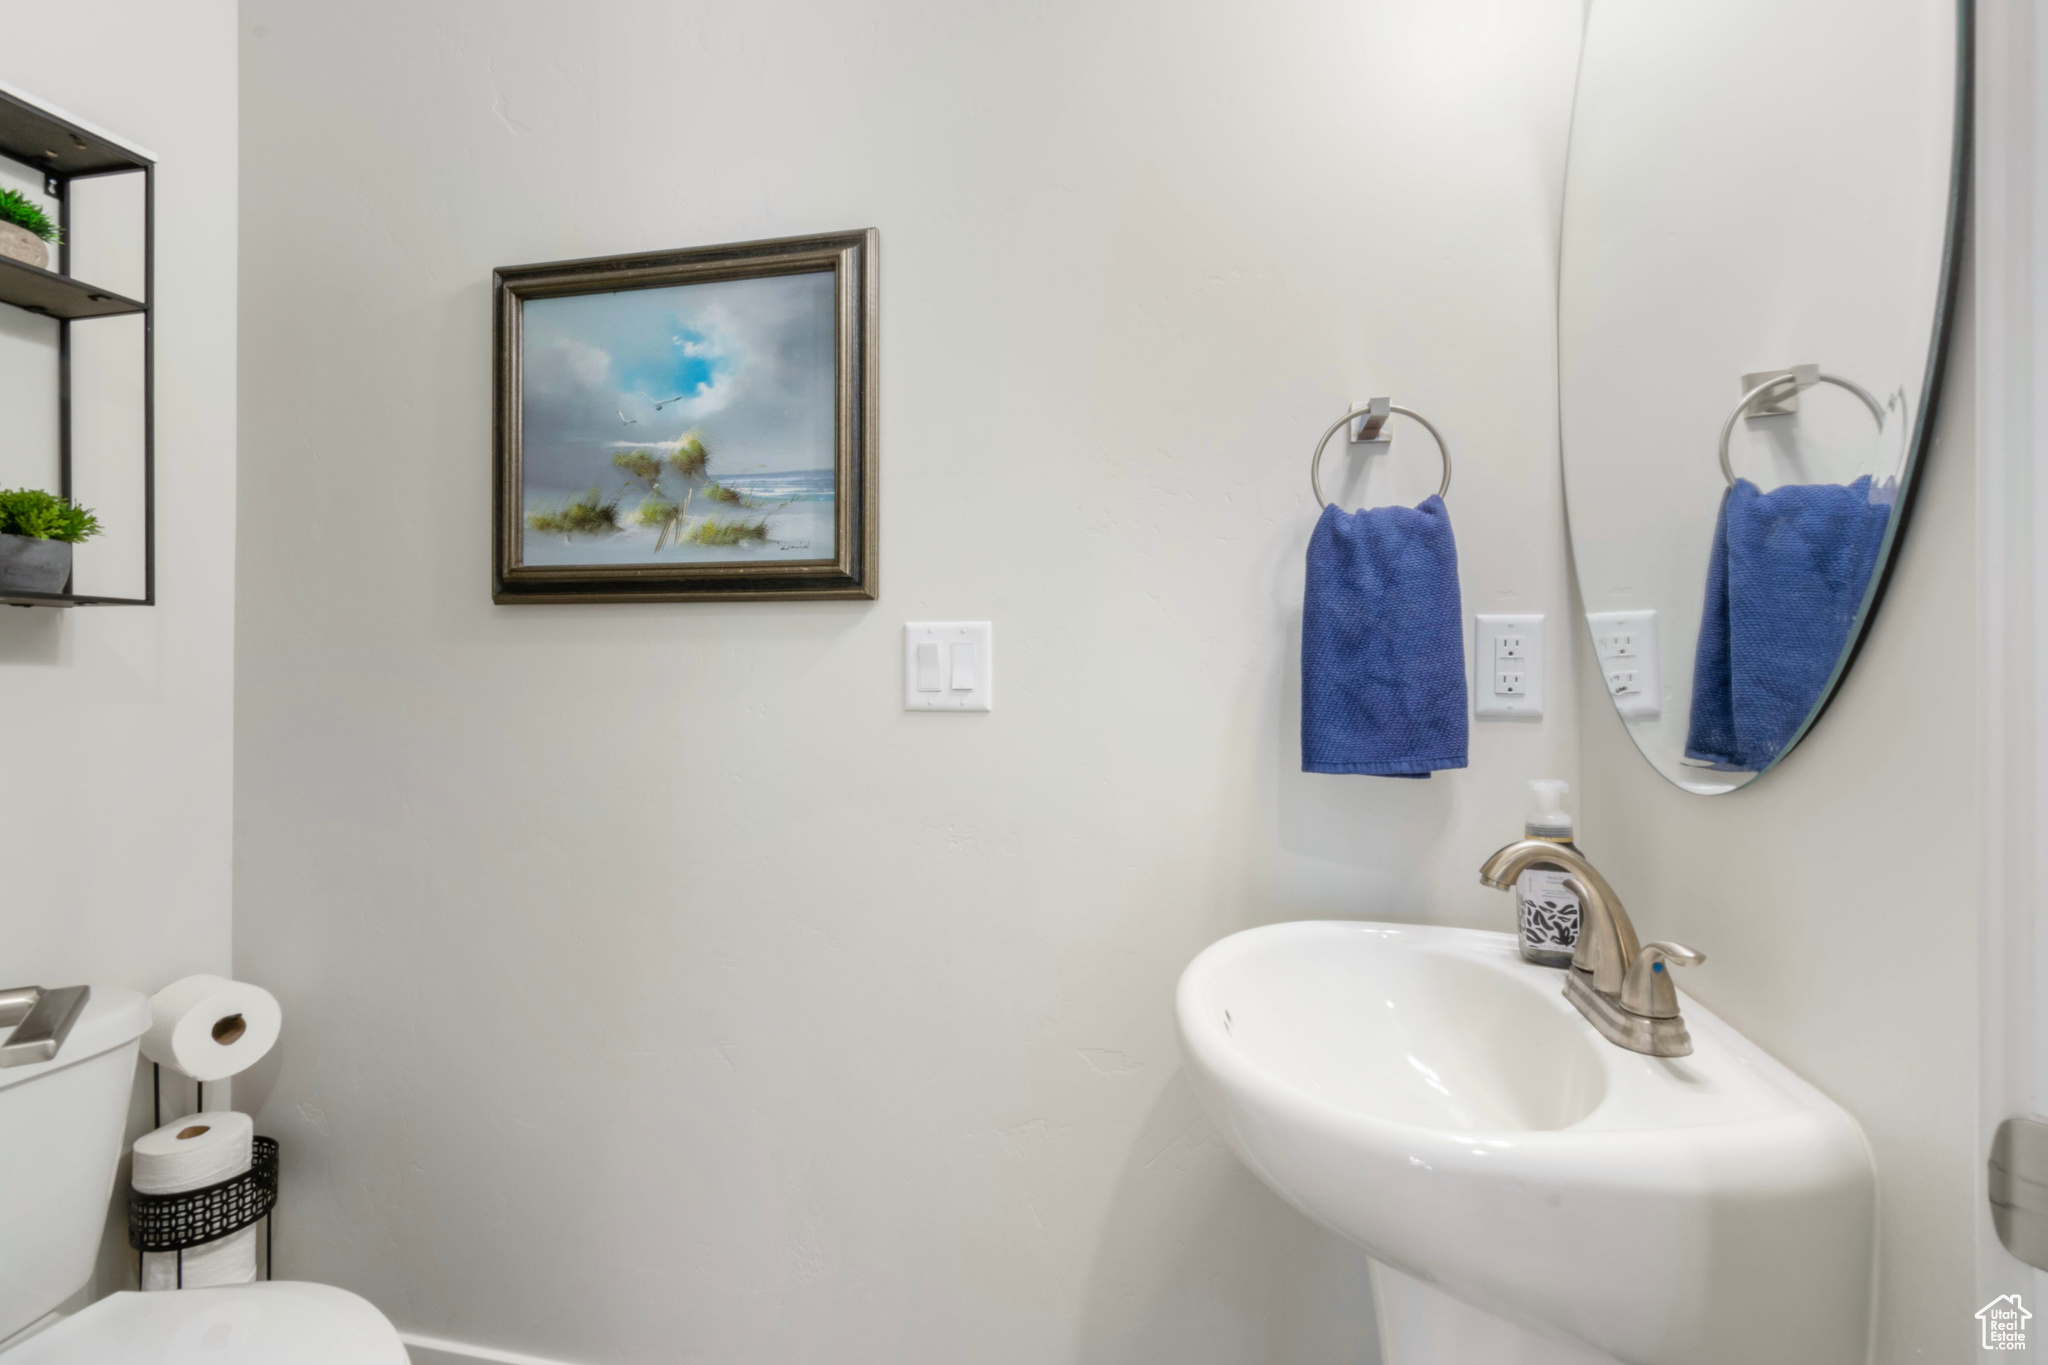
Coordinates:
59 296
56 146
63 599
65 151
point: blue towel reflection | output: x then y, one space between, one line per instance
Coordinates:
1383 644
1786 579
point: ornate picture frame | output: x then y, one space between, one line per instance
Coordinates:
682 426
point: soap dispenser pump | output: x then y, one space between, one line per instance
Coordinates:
1548 912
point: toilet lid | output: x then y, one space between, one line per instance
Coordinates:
277 1322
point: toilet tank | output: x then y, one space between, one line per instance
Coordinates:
61 1128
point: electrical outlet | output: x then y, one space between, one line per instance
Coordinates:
1507 667
1617 642
1626 644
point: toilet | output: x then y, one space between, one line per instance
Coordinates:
61 1125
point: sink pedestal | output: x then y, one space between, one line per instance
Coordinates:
1424 1326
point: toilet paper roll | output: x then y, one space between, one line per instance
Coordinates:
193 1152
190 1154
209 1027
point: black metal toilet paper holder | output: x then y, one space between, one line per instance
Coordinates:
192 1218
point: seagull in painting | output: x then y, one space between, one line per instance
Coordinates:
629 421
666 401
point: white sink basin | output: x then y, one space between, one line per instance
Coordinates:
1432 1097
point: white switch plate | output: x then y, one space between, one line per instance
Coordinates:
1625 643
965 666
1507 667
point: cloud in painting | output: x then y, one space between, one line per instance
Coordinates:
749 363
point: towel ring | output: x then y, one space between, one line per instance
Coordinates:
1315 465
1779 381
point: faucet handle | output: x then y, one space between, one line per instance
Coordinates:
1647 990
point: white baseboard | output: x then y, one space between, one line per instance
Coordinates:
437 1351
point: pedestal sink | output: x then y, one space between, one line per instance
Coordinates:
1532 1194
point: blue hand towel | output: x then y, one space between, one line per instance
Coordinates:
1383 644
1784 583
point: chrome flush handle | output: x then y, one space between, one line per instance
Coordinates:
16 1002
1647 990
34 1022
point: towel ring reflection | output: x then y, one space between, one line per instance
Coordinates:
1315 465
1777 381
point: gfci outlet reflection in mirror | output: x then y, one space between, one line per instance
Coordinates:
1762 222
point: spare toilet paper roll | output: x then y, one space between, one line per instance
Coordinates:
209 1027
190 1154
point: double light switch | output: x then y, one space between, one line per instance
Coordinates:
946 666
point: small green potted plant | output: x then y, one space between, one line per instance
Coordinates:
26 232
37 531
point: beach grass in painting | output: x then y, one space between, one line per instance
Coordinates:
685 424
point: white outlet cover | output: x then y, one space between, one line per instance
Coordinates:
1490 658
1626 641
978 693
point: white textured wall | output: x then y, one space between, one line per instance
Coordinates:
657 989
1836 899
116 807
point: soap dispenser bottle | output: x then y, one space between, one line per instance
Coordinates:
1549 913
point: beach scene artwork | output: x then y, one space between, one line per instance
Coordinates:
684 424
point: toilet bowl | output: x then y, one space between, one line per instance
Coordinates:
61 1126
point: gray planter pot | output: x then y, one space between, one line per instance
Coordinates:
21 244
31 565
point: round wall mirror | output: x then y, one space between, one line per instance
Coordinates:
1762 222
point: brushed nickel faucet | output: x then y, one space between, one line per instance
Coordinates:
1624 989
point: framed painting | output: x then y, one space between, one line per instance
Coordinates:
687 425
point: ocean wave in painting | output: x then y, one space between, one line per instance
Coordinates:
789 485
